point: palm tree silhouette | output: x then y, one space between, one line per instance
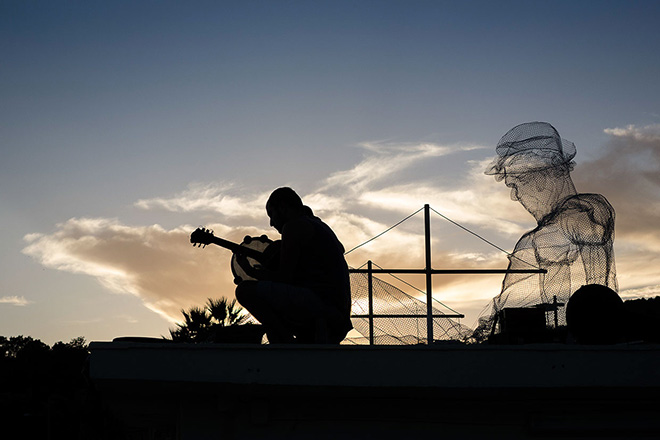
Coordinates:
225 313
202 324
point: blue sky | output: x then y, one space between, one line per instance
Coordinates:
120 116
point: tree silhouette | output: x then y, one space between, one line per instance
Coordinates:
644 319
22 347
43 388
201 324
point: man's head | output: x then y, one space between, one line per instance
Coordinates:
283 205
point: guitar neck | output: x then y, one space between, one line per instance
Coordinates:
238 249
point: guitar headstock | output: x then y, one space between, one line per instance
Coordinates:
201 237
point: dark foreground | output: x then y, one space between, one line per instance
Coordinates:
216 391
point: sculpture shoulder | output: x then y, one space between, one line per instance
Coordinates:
595 206
587 199
587 219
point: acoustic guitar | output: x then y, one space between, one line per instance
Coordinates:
259 251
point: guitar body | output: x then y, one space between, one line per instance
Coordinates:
270 258
260 251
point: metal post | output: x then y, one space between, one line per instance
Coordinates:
371 302
429 277
556 307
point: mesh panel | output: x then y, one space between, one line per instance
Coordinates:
390 300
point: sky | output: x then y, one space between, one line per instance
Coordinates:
125 125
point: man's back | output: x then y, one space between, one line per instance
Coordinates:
321 266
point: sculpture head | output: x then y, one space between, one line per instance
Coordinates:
535 163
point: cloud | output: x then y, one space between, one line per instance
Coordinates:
161 267
643 292
628 174
648 133
15 301
157 265
385 180
477 202
223 198
390 182
384 162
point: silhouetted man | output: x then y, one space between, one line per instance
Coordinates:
574 237
308 299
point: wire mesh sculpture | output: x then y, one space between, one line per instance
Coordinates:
390 300
574 236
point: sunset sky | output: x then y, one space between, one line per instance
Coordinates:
124 125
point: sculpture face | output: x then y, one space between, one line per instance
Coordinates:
531 190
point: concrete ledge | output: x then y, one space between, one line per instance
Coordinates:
450 366
184 391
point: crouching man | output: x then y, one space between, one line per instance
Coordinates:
308 298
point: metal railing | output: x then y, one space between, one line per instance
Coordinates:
429 272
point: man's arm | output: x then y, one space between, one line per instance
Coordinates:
295 235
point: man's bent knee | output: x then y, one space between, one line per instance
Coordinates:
245 291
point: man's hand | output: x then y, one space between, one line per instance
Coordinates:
244 264
256 271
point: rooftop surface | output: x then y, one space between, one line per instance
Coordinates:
453 365
199 391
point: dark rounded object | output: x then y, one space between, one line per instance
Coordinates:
595 314
270 259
